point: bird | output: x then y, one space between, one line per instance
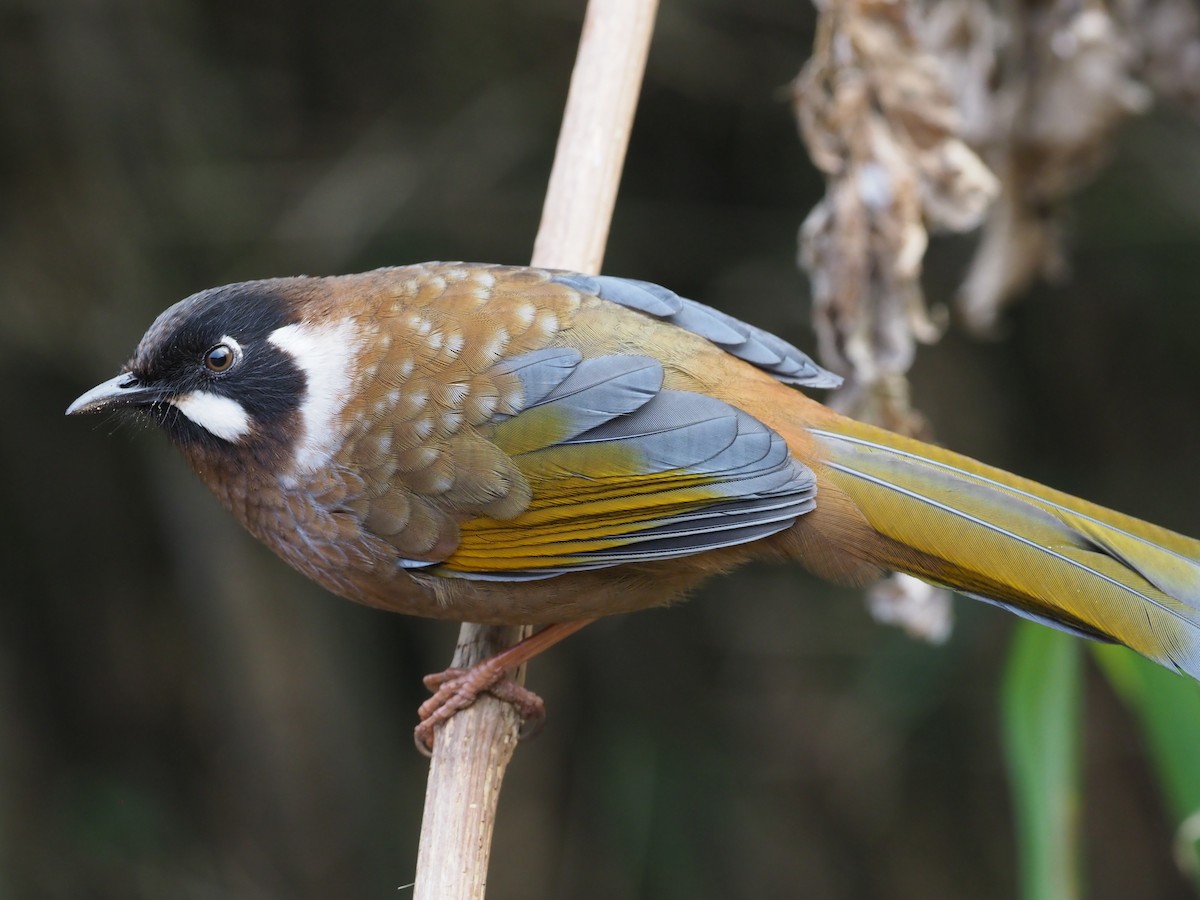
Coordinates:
512 445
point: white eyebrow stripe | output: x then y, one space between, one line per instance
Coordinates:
325 354
222 417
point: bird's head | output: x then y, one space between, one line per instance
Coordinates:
248 366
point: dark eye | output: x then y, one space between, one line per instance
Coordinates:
220 358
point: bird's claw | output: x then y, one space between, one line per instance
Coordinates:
455 689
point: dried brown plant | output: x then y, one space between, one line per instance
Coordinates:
1063 82
880 121
901 105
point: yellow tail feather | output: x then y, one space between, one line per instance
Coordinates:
1011 541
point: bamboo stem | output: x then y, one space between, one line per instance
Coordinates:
596 125
473 749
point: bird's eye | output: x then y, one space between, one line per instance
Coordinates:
220 358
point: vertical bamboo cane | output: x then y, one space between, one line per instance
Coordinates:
473 749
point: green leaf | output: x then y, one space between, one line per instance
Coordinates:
1042 711
1168 708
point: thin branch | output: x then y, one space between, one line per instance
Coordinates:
473 749
595 134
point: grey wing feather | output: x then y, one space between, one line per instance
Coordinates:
682 430
602 388
540 371
757 487
640 295
761 348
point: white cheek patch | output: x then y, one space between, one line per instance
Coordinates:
325 354
220 416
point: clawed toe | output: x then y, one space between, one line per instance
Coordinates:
456 689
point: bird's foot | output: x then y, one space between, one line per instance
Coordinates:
456 689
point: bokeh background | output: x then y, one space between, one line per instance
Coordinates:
181 715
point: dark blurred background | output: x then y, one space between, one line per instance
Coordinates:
182 715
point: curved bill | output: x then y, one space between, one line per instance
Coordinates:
124 390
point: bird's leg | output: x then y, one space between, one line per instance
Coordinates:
456 689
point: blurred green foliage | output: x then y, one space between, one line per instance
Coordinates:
1042 715
181 715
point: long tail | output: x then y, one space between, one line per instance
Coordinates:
1007 540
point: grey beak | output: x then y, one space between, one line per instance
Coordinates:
124 390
